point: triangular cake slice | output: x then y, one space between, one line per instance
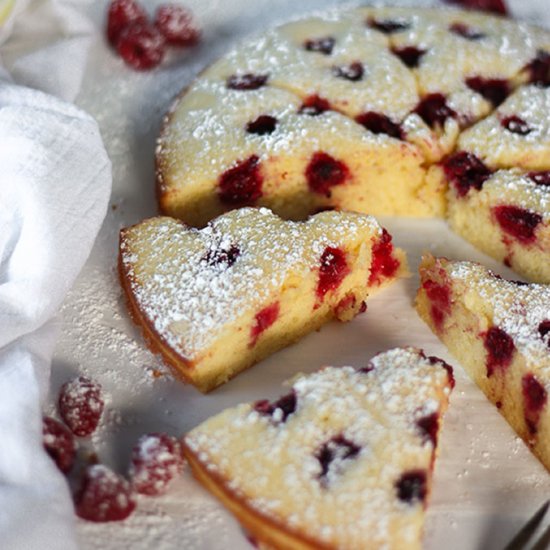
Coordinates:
344 460
500 332
217 300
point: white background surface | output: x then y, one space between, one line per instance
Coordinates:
486 481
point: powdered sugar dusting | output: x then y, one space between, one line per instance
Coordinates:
351 437
189 300
516 309
207 124
98 339
520 190
156 461
499 147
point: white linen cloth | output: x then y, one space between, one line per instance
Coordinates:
55 181
54 187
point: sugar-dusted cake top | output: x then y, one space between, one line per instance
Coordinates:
521 310
522 190
379 90
214 128
346 454
517 134
190 283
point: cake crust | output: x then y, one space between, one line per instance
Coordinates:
211 319
269 532
280 467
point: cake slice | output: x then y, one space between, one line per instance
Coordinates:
344 460
517 134
500 332
499 183
506 214
222 148
465 64
217 300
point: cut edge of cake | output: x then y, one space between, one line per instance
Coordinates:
496 329
270 531
377 259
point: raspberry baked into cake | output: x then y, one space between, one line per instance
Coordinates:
344 460
217 300
500 332
505 213
375 110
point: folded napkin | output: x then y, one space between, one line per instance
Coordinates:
55 180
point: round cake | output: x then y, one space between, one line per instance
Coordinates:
367 109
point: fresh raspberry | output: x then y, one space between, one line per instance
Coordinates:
176 25
104 496
156 460
141 46
59 443
121 14
81 405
